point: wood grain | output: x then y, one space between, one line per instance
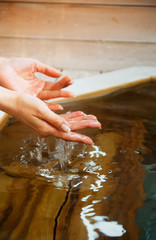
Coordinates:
103 2
81 55
120 189
99 23
23 211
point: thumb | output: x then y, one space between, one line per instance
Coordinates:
47 70
55 120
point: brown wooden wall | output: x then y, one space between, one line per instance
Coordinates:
100 35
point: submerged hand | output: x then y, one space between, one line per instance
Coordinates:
18 74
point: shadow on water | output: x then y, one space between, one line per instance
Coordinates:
53 189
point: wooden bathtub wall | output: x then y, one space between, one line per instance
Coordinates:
81 37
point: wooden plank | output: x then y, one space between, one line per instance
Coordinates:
76 74
104 2
105 23
3 119
81 54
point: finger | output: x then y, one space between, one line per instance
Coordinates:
62 83
47 70
44 129
72 136
84 117
75 137
72 115
77 116
53 119
77 125
90 117
45 95
54 107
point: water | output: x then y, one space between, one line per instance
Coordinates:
53 189
62 151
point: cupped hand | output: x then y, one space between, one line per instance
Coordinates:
78 120
44 122
18 74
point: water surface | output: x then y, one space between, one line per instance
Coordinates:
52 189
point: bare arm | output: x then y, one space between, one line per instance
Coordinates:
36 114
18 74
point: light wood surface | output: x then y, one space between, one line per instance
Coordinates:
3 119
99 23
103 2
81 55
101 84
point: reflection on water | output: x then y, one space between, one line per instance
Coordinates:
101 223
53 189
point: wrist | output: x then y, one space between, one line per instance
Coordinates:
2 60
2 70
7 100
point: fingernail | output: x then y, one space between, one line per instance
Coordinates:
71 94
90 142
65 128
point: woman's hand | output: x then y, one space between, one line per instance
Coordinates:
42 120
78 120
18 74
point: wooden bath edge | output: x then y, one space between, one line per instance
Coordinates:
105 83
101 84
3 119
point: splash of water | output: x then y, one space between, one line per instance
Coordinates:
39 148
44 151
64 150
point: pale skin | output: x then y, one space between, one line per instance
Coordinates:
22 95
